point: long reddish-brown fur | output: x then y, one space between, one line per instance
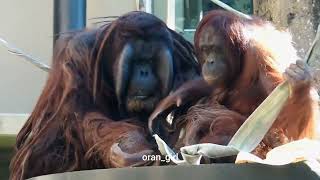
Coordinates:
258 54
76 119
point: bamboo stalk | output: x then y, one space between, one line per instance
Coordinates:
253 130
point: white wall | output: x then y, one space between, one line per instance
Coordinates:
102 8
29 26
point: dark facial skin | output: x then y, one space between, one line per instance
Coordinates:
142 94
149 75
213 56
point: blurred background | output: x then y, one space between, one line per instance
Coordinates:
29 25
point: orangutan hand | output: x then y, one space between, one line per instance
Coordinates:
130 150
191 91
299 76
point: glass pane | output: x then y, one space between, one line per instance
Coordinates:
184 15
245 6
193 11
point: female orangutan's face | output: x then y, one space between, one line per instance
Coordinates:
213 56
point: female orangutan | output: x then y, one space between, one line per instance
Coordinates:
102 86
242 62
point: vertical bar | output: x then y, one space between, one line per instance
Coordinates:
144 5
148 5
171 14
200 10
68 15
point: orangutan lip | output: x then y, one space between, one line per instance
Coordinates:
210 79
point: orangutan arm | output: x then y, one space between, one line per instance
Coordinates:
116 143
299 115
297 120
188 92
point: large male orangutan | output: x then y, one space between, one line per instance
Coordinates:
242 62
103 84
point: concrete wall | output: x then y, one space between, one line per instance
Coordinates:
102 8
29 25
301 18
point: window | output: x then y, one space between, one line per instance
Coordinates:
184 15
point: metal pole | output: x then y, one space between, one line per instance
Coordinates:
148 5
171 14
68 15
